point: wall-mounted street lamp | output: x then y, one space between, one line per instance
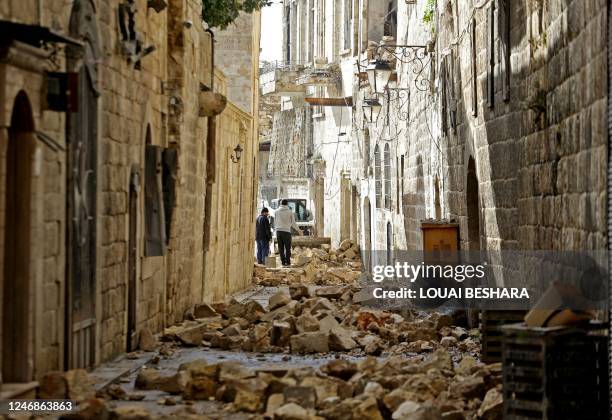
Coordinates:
237 153
379 73
371 109
417 56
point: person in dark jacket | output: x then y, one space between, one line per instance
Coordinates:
263 236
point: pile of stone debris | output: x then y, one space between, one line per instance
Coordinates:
369 389
309 320
322 266
395 387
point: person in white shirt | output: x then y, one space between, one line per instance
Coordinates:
284 222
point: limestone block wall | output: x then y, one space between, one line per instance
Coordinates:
539 150
47 183
232 233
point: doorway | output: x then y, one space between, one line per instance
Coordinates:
132 337
473 207
17 240
367 222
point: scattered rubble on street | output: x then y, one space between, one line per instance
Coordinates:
373 363
320 266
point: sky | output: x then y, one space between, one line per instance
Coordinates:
271 32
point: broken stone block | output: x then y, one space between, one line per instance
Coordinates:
350 254
324 387
232 330
282 312
278 299
415 411
340 368
310 342
449 341
459 333
492 405
79 385
281 333
467 366
146 340
468 387
249 396
368 410
345 244
92 409
298 291
253 311
234 371
328 323
274 402
395 398
330 292
291 411
204 310
193 335
202 380
130 412
322 305
340 340
306 323
305 396
440 360
375 390
53 386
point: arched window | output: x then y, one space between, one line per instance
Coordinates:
387 162
378 176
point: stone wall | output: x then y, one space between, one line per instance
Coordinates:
148 100
540 174
232 234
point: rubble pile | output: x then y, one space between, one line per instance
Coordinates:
306 320
396 388
321 266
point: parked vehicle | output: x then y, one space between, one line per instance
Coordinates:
303 216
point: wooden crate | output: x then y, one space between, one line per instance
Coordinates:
554 373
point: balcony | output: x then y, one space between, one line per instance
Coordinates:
320 75
279 78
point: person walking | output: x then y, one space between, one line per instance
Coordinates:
263 236
284 221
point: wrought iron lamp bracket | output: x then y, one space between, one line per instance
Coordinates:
417 56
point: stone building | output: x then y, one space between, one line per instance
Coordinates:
499 140
116 163
322 43
494 119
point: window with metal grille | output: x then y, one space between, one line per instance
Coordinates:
387 163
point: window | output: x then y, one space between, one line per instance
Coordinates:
348 15
391 19
288 33
155 229
366 151
378 176
387 158
402 160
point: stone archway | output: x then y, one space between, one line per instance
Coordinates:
16 313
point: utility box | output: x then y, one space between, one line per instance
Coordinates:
440 237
